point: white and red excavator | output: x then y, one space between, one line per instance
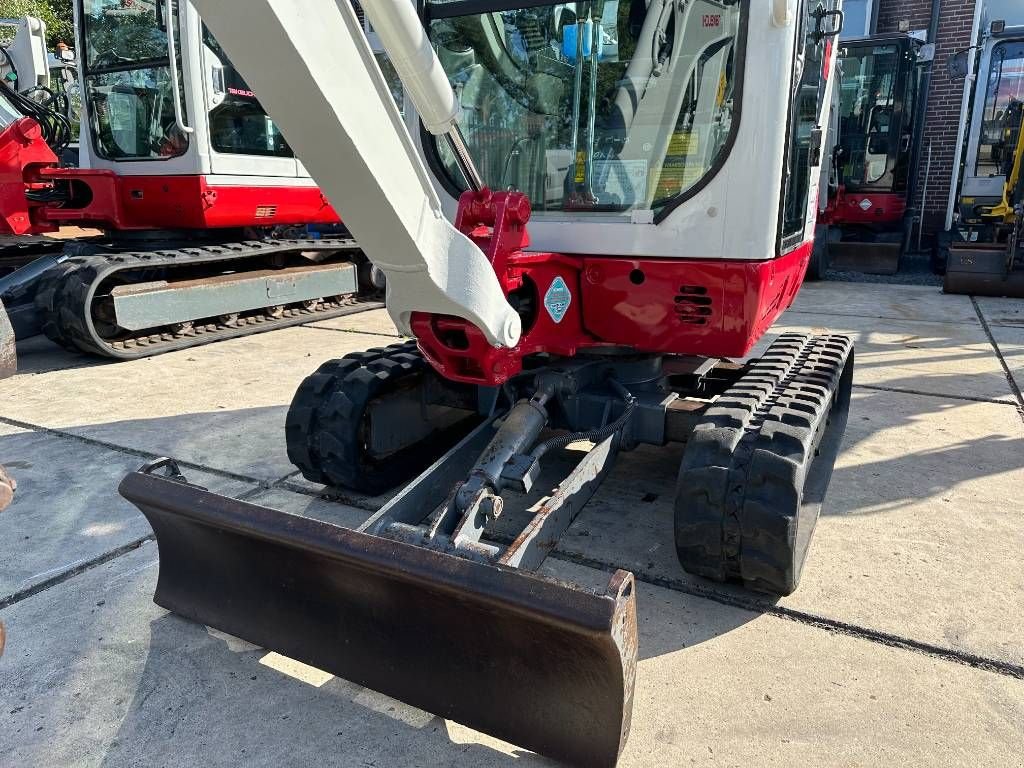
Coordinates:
201 222
584 210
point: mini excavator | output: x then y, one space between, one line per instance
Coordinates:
585 210
983 252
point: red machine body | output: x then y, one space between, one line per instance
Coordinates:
714 308
865 208
106 200
23 155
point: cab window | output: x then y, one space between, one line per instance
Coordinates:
1004 110
593 106
128 80
238 123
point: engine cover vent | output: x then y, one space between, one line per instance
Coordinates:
693 305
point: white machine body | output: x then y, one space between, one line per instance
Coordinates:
316 75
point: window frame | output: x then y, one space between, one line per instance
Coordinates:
431 11
787 243
155 63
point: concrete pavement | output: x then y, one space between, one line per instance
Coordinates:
902 645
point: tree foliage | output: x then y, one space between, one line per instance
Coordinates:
56 14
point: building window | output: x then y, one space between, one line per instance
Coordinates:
859 14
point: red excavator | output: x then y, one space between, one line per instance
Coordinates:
590 208
877 125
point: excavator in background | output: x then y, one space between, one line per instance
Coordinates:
983 251
589 207
862 226
204 211
49 79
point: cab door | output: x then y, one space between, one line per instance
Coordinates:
244 141
135 117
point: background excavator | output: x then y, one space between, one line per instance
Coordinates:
204 210
877 122
594 311
983 252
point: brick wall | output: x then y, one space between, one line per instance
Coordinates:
944 98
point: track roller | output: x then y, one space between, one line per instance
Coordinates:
756 468
364 423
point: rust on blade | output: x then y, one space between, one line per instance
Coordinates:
8 349
7 487
528 659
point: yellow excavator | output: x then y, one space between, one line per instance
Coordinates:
984 245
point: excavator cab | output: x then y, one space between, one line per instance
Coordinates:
862 225
163 99
982 251
582 210
162 103
876 113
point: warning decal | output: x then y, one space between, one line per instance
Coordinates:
557 299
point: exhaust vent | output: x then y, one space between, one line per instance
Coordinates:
693 305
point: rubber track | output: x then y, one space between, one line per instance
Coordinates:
740 507
16 251
65 297
307 411
325 426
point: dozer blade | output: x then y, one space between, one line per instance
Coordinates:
8 349
868 258
533 661
982 271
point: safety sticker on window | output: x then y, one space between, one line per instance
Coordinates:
557 299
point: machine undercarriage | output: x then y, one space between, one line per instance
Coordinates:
142 303
436 574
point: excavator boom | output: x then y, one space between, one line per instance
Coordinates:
348 130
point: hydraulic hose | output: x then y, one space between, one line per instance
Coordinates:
56 127
19 285
593 435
